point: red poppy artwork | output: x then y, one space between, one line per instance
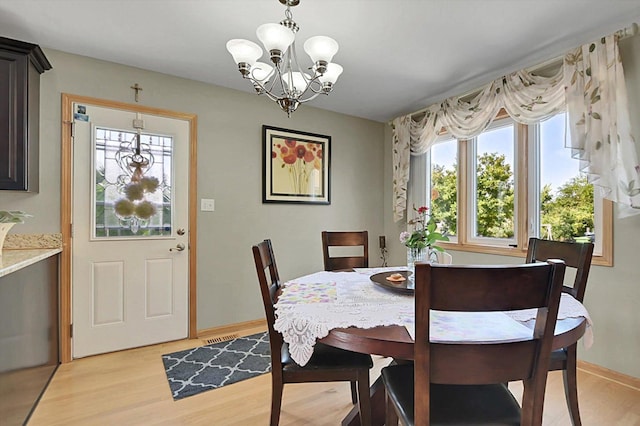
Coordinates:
296 166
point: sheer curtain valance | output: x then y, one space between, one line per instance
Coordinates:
590 84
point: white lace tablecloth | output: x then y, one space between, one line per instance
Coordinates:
310 307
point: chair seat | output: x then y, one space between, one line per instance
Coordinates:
327 357
452 404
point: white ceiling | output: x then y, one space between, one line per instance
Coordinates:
398 55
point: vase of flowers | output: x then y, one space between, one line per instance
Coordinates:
421 243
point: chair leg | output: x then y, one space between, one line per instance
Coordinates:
354 393
276 401
364 398
391 417
569 375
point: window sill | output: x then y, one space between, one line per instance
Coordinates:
599 260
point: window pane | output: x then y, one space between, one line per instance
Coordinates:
494 183
128 204
566 198
444 186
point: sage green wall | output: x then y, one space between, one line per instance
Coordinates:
229 157
613 293
229 171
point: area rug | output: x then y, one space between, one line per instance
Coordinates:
200 369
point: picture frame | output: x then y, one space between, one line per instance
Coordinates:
296 166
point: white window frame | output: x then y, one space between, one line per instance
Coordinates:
534 188
472 158
526 169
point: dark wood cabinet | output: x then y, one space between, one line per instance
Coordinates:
20 67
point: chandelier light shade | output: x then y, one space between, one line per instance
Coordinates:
321 48
275 38
245 53
331 74
284 81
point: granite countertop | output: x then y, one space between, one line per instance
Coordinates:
14 260
22 250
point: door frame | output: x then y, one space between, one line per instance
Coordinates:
66 188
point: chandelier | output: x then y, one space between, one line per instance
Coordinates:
285 82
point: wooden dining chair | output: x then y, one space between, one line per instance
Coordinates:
464 384
577 256
327 364
345 239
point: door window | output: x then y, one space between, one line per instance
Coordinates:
132 194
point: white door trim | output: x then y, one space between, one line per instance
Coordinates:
66 207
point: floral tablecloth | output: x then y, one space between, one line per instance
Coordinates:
310 307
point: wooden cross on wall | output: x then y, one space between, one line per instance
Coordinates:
137 88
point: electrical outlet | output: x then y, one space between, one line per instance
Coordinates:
207 205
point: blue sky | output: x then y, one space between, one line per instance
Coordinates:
557 165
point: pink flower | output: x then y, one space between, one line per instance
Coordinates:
290 158
423 210
308 156
300 151
404 236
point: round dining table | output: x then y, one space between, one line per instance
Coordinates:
310 307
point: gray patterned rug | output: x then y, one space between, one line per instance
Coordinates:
209 367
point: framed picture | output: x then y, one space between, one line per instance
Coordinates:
295 166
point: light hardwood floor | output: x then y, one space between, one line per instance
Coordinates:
130 388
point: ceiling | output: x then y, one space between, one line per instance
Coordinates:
398 55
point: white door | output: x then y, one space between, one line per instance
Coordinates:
130 230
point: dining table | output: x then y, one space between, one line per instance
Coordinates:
360 311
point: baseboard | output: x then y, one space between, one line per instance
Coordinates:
605 373
231 328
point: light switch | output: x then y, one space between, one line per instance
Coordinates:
207 205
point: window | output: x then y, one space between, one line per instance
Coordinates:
491 193
123 208
443 186
564 199
492 185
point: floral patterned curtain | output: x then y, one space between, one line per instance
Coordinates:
590 83
400 160
598 113
526 97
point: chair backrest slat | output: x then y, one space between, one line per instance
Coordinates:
484 288
489 288
345 239
574 255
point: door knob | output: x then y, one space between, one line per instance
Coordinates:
179 247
